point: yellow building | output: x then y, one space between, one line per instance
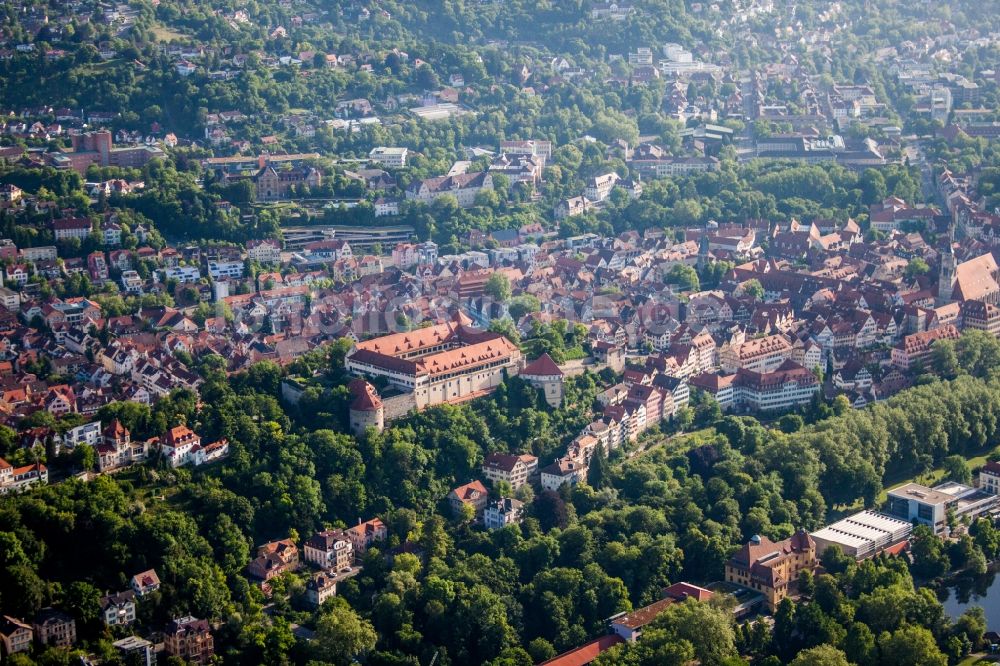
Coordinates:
770 568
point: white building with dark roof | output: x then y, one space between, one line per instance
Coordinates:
501 512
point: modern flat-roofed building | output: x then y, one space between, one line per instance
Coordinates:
136 650
446 363
863 535
930 506
391 158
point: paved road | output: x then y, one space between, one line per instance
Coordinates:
914 151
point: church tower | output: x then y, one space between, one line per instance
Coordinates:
703 252
946 276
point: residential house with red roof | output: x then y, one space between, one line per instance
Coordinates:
365 534
178 445
273 559
916 348
472 494
145 583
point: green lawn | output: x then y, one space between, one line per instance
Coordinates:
165 34
934 477
677 443
98 67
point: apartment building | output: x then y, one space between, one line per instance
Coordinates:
514 469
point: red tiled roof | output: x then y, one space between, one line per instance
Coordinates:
685 590
366 398
585 653
541 367
642 616
411 341
468 491
897 548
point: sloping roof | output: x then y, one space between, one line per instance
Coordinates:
641 617
585 653
501 461
542 366
974 279
686 590
469 491
992 467
413 341
787 372
366 398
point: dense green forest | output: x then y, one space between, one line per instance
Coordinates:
524 592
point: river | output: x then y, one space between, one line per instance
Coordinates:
962 593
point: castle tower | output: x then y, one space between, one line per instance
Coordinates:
543 373
366 410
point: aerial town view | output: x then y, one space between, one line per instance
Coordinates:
500 332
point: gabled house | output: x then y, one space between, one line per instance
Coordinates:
514 469
473 494
274 559
15 634
145 583
118 609
365 534
178 444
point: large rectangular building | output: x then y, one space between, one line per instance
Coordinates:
464 187
447 363
790 385
863 535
